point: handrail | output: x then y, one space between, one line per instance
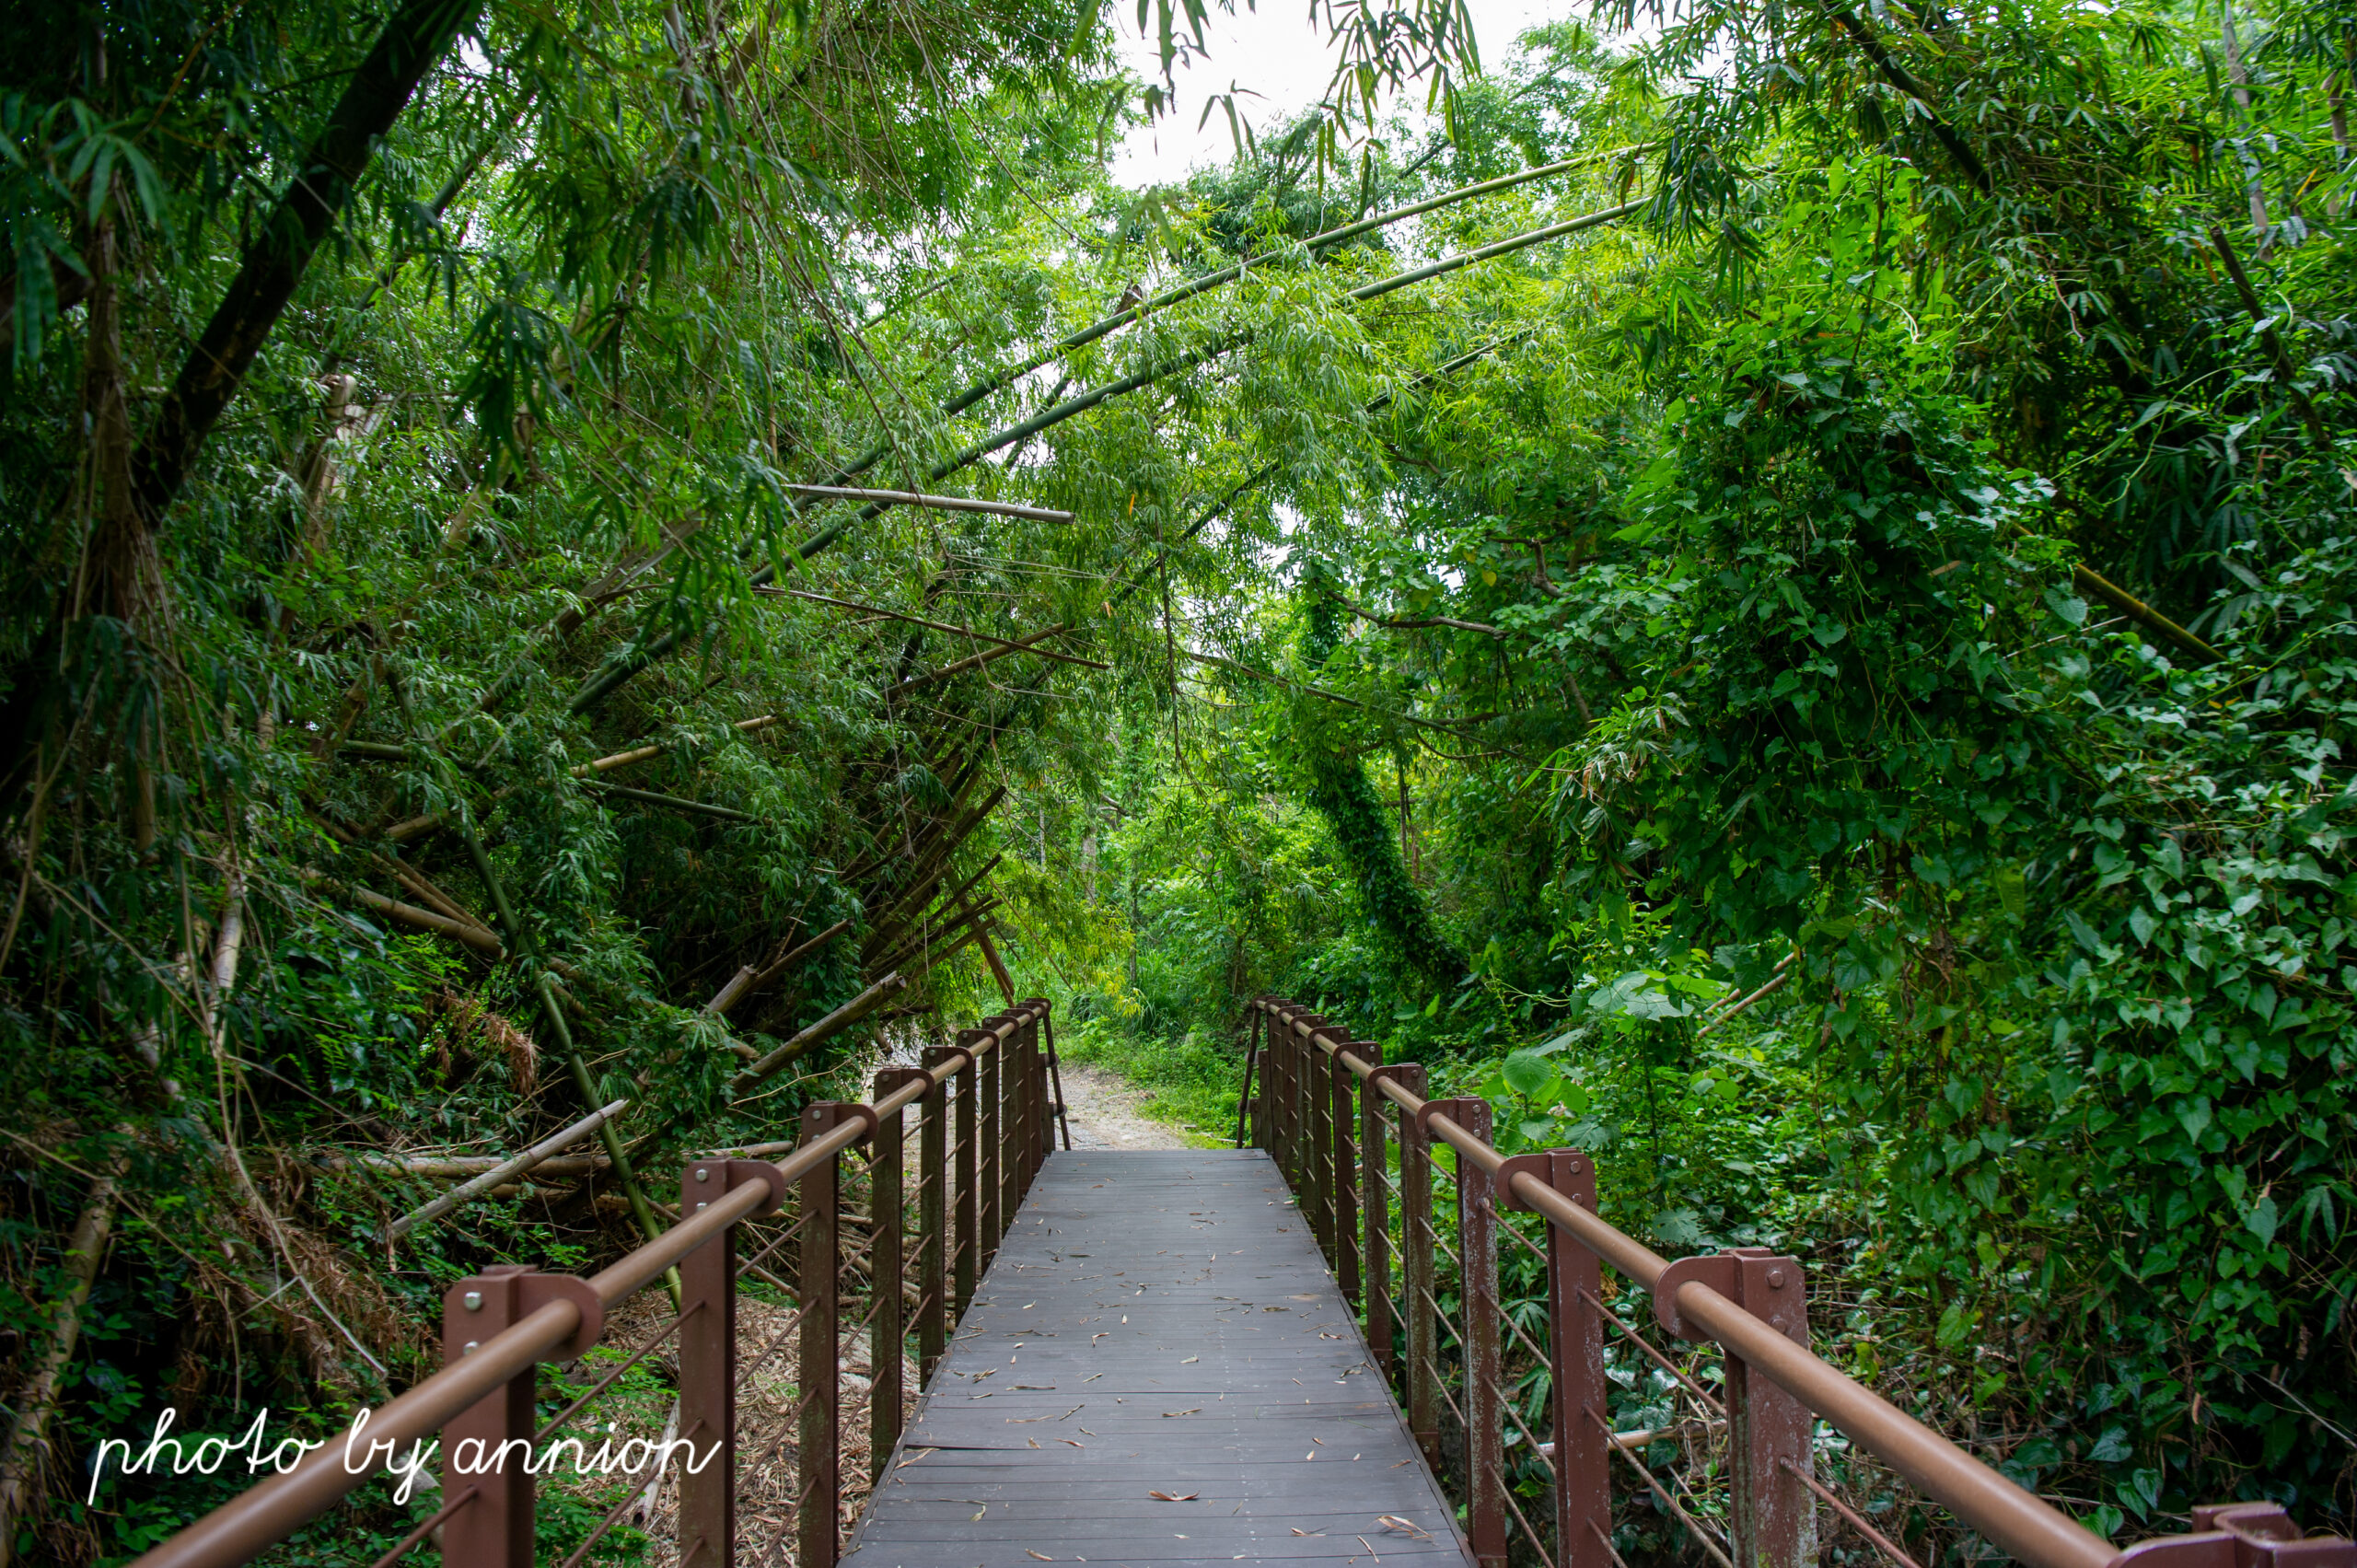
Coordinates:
264 1515
2007 1513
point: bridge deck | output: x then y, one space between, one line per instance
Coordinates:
1156 1322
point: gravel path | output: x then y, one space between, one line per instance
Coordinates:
1104 1113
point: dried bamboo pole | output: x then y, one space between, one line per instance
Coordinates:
457 1168
814 1034
641 753
933 850
932 503
37 1401
968 921
475 936
760 980
506 1171
957 895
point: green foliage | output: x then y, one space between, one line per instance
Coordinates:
1670 679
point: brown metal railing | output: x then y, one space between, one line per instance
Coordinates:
499 1327
1327 1108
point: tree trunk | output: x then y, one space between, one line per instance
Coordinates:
415 39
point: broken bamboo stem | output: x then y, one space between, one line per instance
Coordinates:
825 1028
506 1172
769 976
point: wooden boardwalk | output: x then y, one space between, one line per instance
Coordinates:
1156 1322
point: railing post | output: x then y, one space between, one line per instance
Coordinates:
495 1528
1418 1282
1375 1208
707 1527
887 1270
1294 1133
1574 1282
1477 1249
1043 1050
932 1221
821 1466
1347 1239
968 1251
1014 1108
986 1152
1006 1132
1035 1101
1318 1112
1276 1045
1773 1517
1243 1116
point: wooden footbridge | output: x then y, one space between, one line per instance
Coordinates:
1307 1350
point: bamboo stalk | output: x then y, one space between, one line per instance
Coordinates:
825 1028
1179 293
957 894
641 753
37 1401
475 936
416 882
934 847
576 1068
968 920
2284 372
674 802
2143 614
769 976
929 625
457 1168
934 503
620 669
901 946
976 661
506 1171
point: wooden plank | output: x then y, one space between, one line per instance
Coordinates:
1155 1321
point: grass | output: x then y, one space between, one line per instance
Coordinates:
1189 1081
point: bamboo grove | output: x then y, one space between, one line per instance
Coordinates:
1762 584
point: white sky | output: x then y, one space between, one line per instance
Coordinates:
1278 53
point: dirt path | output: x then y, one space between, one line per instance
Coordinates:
1105 1112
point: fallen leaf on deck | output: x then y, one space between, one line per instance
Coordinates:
1174 1497
1197 1410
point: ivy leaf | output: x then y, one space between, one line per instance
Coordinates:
2072 610
2262 1220
2111 1447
